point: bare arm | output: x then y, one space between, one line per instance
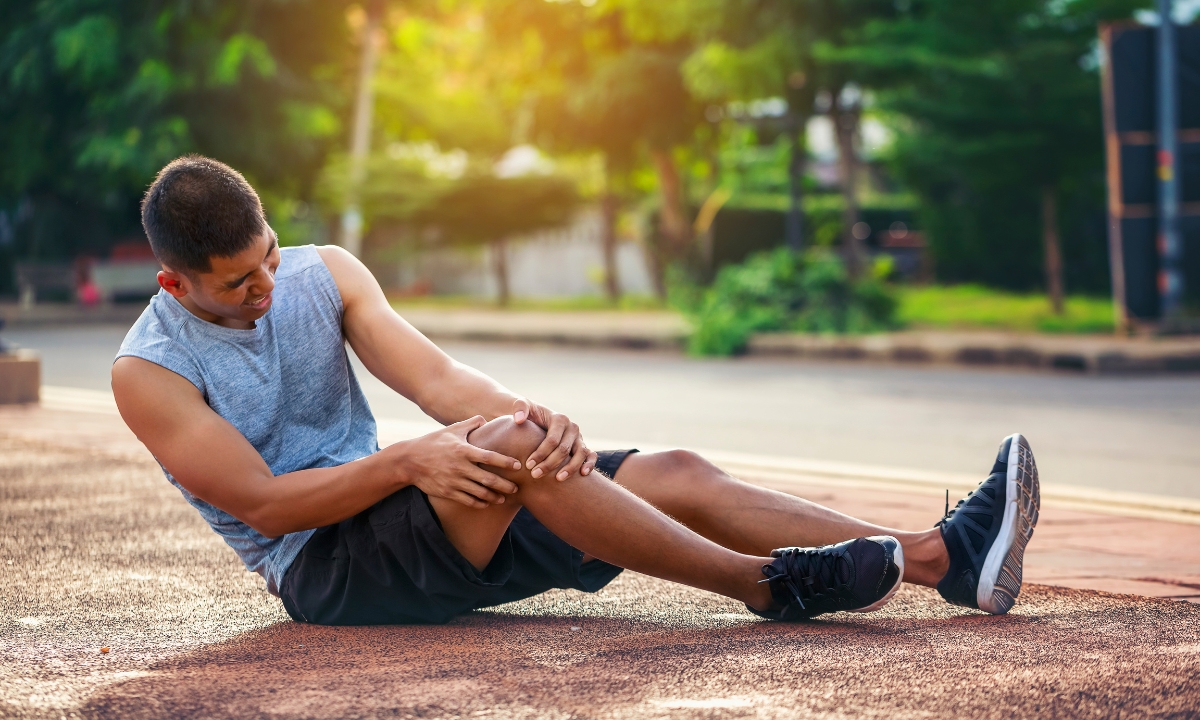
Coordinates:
404 359
210 458
446 390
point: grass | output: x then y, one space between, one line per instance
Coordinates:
974 306
933 306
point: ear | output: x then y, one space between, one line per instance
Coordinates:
172 282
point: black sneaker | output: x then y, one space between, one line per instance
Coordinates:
856 575
986 533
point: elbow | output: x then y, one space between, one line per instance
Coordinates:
267 523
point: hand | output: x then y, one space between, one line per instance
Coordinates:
445 465
563 443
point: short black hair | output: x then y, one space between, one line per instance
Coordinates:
196 208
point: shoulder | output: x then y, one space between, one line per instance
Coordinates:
156 329
354 281
155 338
296 260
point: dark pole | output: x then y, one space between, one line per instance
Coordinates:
1170 277
794 225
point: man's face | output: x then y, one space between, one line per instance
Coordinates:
236 291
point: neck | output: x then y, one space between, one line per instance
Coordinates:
190 305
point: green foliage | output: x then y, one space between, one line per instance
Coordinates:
992 102
977 307
96 96
781 291
481 208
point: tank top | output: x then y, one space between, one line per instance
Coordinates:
286 385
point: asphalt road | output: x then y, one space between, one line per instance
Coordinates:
1133 434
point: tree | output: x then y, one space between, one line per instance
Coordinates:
622 95
998 110
755 49
96 97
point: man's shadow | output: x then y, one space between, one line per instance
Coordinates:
526 664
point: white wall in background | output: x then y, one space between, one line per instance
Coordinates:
566 262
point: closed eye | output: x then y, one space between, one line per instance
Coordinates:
233 284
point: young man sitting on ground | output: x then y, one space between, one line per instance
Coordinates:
236 378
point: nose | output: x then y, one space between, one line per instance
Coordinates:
261 283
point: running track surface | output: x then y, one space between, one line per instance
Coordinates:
97 550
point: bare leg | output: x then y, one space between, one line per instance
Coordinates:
755 520
601 518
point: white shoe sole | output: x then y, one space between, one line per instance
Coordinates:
1000 579
898 558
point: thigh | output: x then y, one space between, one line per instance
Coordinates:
680 483
476 533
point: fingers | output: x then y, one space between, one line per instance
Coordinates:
590 463
495 459
520 410
578 458
489 480
469 500
554 436
560 454
464 427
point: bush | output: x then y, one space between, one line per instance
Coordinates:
780 291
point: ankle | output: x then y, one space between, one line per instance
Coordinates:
925 558
758 594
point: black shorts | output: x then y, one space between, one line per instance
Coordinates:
393 564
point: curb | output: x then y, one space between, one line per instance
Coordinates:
663 330
1092 354
57 314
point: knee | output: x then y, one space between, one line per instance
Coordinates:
689 464
503 435
686 472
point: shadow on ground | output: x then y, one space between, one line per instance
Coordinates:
99 550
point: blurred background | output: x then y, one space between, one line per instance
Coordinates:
622 172
947 158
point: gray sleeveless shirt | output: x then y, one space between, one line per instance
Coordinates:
287 386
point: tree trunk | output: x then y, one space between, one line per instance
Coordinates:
500 267
673 225
360 139
794 221
1054 270
609 205
845 124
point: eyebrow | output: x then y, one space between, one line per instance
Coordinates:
274 244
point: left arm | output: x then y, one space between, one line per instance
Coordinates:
446 390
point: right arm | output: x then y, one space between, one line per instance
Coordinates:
214 462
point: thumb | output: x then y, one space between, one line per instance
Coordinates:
520 410
464 427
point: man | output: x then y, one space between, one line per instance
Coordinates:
237 380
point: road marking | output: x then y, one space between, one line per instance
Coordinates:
776 471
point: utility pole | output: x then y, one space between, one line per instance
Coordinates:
800 103
360 138
1170 249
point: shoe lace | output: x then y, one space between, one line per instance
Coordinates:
815 569
950 513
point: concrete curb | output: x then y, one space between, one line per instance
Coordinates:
1087 353
664 330
51 314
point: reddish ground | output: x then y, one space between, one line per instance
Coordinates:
96 550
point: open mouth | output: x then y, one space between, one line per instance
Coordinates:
261 303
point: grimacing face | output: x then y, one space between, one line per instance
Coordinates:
236 291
